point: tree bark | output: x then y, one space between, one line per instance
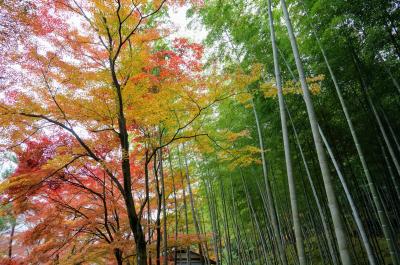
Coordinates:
136 227
10 242
118 256
157 168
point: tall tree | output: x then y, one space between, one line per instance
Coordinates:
286 144
330 192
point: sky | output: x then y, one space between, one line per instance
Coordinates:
195 32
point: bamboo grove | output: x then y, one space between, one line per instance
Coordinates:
275 141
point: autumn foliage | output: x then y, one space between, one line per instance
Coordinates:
95 97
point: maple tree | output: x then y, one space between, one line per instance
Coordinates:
121 144
75 213
73 209
98 96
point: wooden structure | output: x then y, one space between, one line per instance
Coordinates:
183 257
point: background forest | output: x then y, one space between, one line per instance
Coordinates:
273 142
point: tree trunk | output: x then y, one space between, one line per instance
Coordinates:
134 221
357 219
286 144
226 223
192 207
175 204
391 174
371 185
184 205
217 226
389 126
375 196
330 192
136 227
10 242
242 244
211 210
164 211
157 169
387 69
270 200
141 254
147 194
255 218
118 256
315 194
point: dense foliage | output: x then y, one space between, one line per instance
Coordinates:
123 145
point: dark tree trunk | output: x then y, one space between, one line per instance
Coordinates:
10 242
118 256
